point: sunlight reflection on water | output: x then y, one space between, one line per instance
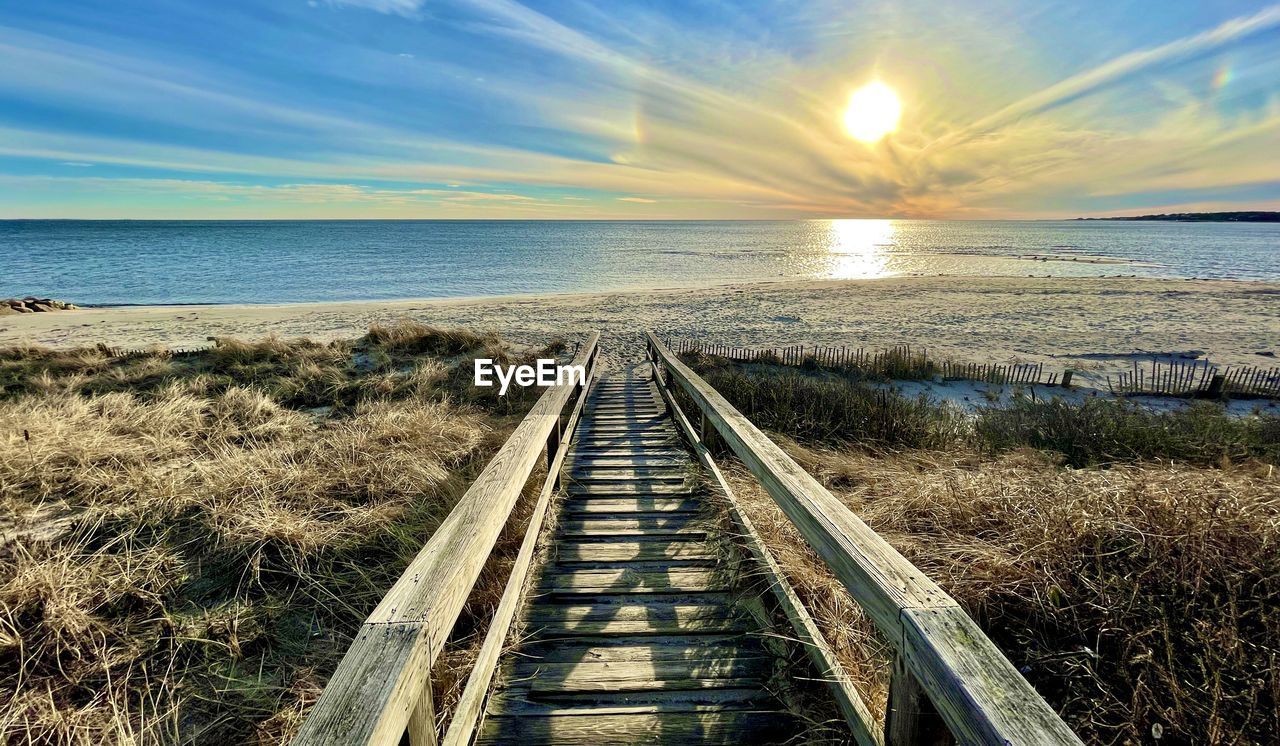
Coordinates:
860 249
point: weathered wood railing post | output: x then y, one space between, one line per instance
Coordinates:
422 723
1066 378
553 442
707 433
910 719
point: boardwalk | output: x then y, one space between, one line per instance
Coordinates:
633 629
631 632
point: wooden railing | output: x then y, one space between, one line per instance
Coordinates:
382 686
949 679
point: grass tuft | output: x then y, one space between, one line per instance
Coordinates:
414 338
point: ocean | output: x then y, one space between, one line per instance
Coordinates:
170 262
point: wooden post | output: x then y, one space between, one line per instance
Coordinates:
1066 379
422 723
1216 386
910 718
708 434
553 442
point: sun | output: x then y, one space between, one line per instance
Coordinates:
873 112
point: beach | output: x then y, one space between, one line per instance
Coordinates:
1092 325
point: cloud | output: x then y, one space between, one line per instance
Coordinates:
637 199
1121 68
406 8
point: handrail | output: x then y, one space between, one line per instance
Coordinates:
979 695
469 710
382 685
857 715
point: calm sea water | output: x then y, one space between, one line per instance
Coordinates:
120 262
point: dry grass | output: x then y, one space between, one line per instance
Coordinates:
1134 598
833 409
1130 566
816 406
187 544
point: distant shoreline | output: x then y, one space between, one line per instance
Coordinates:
1202 217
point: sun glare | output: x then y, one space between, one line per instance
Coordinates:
872 113
859 248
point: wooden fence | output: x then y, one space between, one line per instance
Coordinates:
900 362
948 676
125 353
1196 379
1012 373
1186 379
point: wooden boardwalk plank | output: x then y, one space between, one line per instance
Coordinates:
581 676
622 506
659 474
635 649
516 700
624 461
596 580
623 525
582 551
651 488
666 727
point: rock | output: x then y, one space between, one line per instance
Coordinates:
1266 353
7 309
32 304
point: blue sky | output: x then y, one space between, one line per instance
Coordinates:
688 109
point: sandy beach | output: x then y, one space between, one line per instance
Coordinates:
1090 324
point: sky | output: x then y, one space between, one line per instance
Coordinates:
648 109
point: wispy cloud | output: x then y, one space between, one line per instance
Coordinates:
407 8
1121 68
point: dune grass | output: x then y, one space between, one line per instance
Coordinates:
822 408
1128 562
828 410
1106 431
187 544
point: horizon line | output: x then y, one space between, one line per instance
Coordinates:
607 220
